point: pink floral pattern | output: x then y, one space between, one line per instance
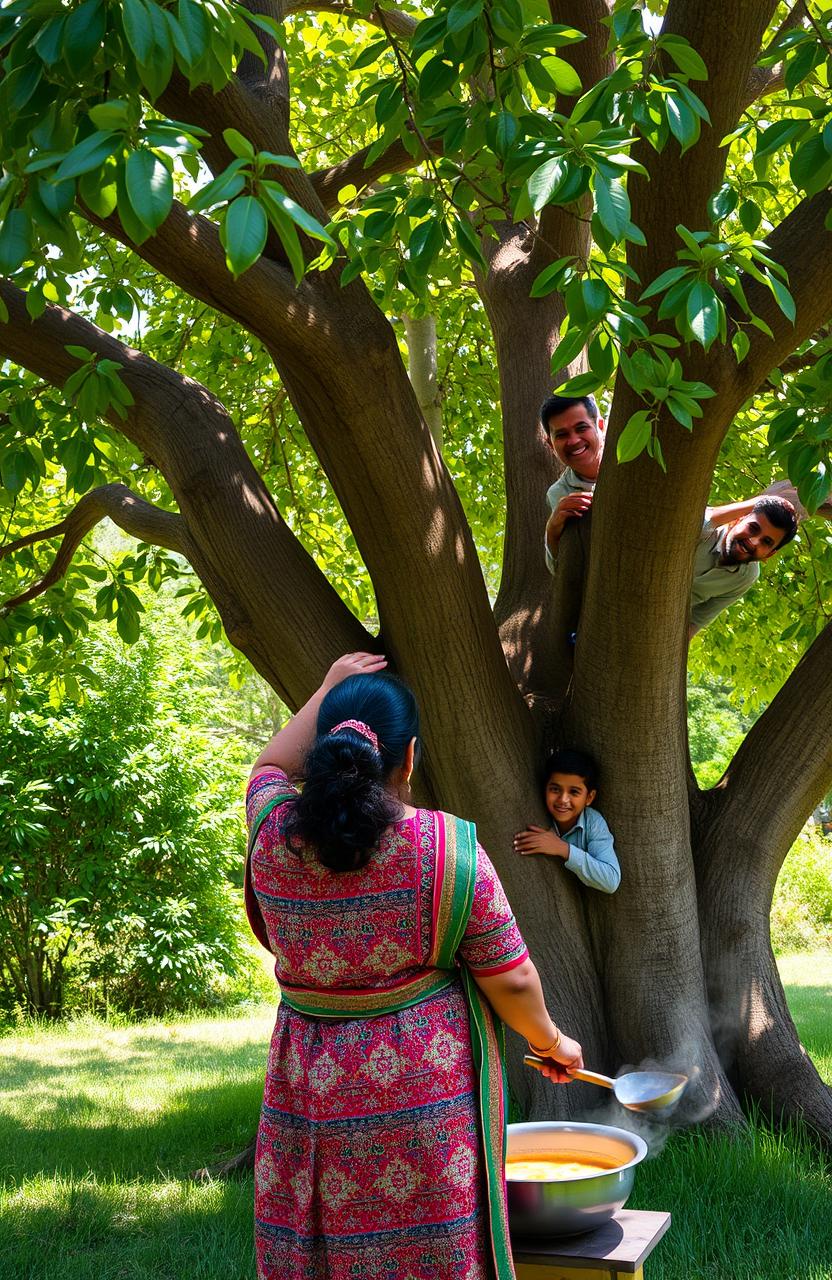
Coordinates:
368 1163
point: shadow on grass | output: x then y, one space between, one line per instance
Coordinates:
77 1132
70 1230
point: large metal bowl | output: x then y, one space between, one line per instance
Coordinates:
575 1205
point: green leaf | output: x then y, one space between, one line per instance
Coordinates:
129 219
287 231
583 384
87 155
237 144
468 243
437 77
138 28
723 202
550 278
702 312
299 216
225 186
15 240
684 125
545 181
99 190
784 299
462 13
195 27
667 278
777 135
686 58
425 242
613 205
83 34
601 355
741 342
371 54
243 233
596 297
150 188
569 348
811 166
633 439
750 216
563 76
113 114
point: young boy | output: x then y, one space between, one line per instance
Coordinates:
578 834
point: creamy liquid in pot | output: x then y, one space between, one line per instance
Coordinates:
553 1168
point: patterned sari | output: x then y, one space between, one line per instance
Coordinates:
380 1148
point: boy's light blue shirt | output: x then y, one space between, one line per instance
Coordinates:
592 854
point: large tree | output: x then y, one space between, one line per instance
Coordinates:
639 200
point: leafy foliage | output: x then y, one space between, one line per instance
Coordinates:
484 98
120 844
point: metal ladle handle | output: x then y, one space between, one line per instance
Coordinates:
577 1073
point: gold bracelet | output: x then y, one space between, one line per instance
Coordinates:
544 1053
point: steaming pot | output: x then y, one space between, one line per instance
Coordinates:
576 1204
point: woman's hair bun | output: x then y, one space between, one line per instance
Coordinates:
345 806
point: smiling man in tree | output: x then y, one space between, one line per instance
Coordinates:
735 538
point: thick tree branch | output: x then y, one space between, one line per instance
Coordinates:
186 249
763 81
290 623
354 171
128 510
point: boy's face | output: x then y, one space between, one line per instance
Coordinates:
567 795
578 440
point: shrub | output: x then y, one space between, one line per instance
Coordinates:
120 845
801 913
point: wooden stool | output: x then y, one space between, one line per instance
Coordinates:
618 1248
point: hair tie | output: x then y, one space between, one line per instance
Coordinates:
360 727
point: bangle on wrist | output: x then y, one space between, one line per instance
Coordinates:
550 1049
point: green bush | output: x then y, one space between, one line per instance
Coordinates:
801 913
121 844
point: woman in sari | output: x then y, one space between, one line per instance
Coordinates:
380 1146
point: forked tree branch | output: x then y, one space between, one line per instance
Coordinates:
128 510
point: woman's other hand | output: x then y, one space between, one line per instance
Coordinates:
353 664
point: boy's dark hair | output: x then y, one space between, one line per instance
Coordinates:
558 404
570 760
779 513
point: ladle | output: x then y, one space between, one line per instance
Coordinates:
637 1090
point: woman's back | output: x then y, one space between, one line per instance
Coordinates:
372 927
368 927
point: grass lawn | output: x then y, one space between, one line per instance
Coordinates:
99 1126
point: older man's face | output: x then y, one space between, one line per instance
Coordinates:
752 537
578 440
